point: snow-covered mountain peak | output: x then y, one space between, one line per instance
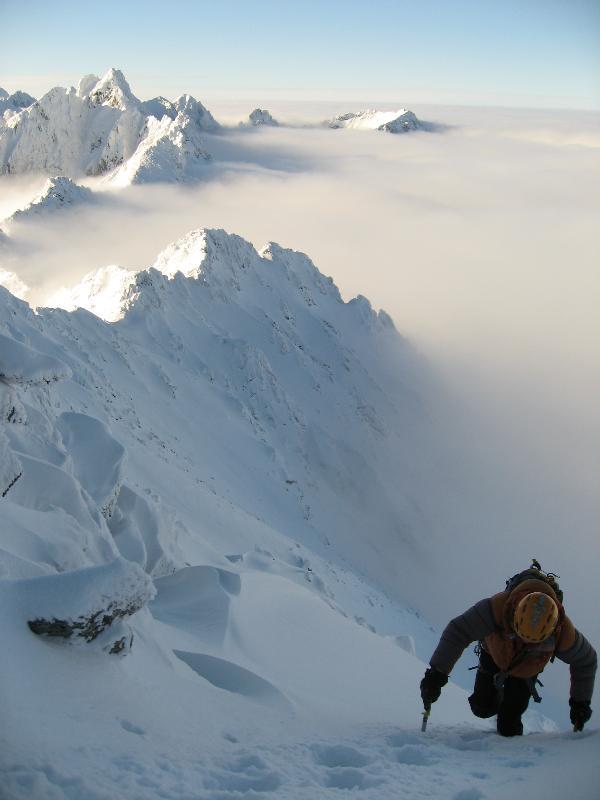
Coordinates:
13 103
86 84
391 121
261 116
114 90
56 194
158 107
195 111
185 105
185 255
100 292
169 151
228 264
229 270
61 186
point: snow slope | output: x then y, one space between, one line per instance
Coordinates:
390 121
216 493
101 126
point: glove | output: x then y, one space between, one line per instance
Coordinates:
580 713
431 686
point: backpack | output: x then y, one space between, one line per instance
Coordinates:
535 571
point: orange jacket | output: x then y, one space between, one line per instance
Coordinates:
510 653
489 621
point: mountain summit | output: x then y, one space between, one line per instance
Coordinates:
102 128
113 90
57 194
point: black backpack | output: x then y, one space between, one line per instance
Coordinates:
536 571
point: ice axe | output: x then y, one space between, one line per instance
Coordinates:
426 714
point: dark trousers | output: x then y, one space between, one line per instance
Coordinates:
509 705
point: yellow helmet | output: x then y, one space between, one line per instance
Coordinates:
536 617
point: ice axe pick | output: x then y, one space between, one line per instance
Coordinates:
426 715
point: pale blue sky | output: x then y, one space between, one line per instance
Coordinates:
503 52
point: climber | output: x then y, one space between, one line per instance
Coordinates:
519 630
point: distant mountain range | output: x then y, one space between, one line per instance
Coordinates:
102 129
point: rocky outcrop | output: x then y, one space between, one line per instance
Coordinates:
10 466
85 604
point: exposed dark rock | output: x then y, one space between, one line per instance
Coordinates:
11 484
88 628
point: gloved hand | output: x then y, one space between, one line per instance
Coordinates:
580 713
431 686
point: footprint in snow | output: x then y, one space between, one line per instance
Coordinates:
131 728
415 756
469 794
400 739
343 764
339 756
472 740
245 773
348 778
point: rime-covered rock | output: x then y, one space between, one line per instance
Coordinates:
85 603
261 117
391 121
